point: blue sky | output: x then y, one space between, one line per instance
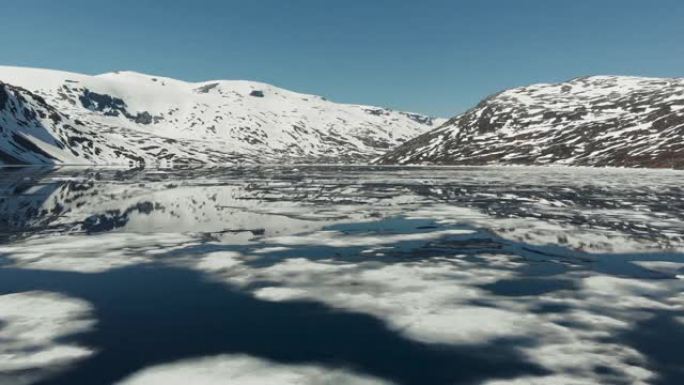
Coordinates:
433 56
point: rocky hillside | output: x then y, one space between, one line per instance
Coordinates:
57 117
592 121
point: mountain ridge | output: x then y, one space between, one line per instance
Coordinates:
621 121
152 119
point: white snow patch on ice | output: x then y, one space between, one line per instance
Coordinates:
32 325
245 370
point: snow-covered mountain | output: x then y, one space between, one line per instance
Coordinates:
591 121
125 117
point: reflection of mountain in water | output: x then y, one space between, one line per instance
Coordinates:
94 201
251 201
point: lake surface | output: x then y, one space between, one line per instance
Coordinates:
341 275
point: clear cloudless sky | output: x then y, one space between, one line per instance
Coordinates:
433 56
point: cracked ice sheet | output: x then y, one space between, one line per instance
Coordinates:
91 254
244 370
538 231
33 324
338 239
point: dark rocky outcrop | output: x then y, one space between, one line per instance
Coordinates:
111 106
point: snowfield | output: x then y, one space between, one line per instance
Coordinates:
130 118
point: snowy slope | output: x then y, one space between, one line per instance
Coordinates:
125 117
591 121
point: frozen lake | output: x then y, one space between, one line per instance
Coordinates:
341 275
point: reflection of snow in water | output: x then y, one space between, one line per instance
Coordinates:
461 293
32 325
244 370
